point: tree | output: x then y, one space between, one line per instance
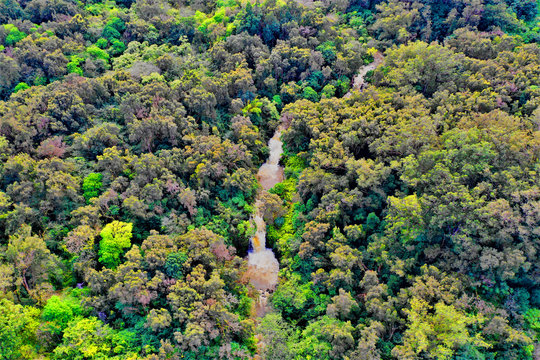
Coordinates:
422 67
158 319
326 338
271 207
439 334
31 260
343 306
13 35
58 312
279 337
532 319
10 74
153 129
405 218
10 9
310 94
18 326
367 345
55 64
397 21
201 103
91 339
174 266
115 237
20 87
92 185
52 147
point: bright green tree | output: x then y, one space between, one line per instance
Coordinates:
97 53
310 94
437 334
532 318
60 311
102 43
92 185
115 237
14 35
91 339
21 86
74 65
18 325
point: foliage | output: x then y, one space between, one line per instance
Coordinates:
92 185
18 325
532 319
115 237
21 86
175 264
73 66
58 312
99 341
438 334
131 133
13 35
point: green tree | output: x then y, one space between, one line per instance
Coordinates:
91 339
73 65
532 319
279 337
405 218
325 339
438 334
97 53
14 35
115 237
21 86
31 260
18 325
115 26
174 265
102 43
328 91
92 185
58 312
310 94
117 47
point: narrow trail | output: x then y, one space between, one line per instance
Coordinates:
263 266
358 82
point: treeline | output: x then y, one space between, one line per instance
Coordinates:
131 133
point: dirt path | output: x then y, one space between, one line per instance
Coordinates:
358 82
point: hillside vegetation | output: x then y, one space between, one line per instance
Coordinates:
407 226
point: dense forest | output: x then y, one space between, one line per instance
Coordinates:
407 225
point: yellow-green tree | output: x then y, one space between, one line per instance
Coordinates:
437 331
115 237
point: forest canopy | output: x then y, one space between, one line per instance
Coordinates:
407 225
